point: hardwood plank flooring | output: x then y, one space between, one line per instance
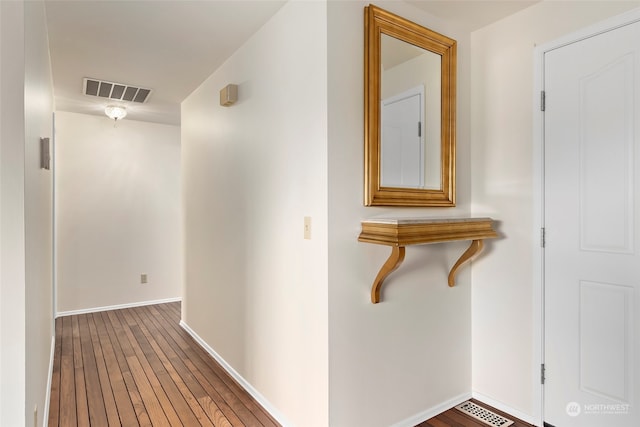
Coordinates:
137 367
455 418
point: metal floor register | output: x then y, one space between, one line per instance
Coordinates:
484 415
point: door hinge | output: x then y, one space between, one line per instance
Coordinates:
542 377
543 237
419 128
543 100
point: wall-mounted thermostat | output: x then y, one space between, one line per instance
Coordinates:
228 95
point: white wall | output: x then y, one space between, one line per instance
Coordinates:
248 174
395 361
118 211
26 203
502 187
38 96
12 256
255 290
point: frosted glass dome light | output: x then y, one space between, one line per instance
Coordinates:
115 112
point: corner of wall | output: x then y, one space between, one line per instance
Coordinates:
401 343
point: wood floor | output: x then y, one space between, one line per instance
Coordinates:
138 367
455 418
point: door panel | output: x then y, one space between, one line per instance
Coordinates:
592 208
605 340
402 145
606 157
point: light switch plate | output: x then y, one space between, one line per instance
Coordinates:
307 227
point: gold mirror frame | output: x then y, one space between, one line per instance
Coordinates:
378 22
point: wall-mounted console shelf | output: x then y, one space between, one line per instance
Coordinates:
401 232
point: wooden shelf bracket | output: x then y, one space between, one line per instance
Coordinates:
401 232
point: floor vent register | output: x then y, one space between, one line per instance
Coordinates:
484 415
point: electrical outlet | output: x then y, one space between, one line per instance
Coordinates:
307 227
143 278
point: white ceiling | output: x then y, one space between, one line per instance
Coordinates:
472 14
172 46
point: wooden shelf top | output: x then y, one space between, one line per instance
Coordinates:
418 231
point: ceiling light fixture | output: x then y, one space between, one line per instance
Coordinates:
115 112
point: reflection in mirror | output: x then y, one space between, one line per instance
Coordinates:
409 116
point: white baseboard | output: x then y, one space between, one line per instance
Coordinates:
47 396
236 376
504 408
116 307
433 411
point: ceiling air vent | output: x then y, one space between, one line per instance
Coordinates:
117 91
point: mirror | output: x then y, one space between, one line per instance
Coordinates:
410 121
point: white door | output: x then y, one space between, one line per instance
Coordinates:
402 151
592 223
